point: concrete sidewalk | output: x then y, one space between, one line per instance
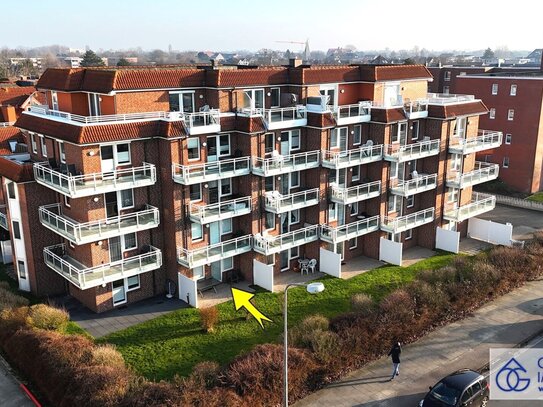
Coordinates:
11 395
505 322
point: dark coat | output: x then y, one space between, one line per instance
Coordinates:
395 353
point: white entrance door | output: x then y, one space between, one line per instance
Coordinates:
119 294
107 159
285 145
115 250
214 233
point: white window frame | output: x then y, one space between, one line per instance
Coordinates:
34 143
18 229
415 134
180 94
513 90
394 207
353 211
351 246
251 95
267 137
200 276
116 154
355 174
25 276
446 90
492 113
123 242
223 182
357 135
394 169
447 76
94 104
8 184
332 211
291 177
127 287
294 214
61 151
505 163
54 100
120 200
494 89
295 255
410 201
452 195
219 147
199 194
511 114
291 134
197 239
43 146
278 90
456 162
395 138
408 234
225 266
508 138
190 148
230 226
336 131
67 201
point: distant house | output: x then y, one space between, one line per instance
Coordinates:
535 55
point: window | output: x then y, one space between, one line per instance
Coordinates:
332 212
492 113
505 162
410 201
357 136
126 199
415 130
21 269
253 99
173 98
398 136
295 179
227 264
61 152
508 138
54 100
16 229
294 252
67 201
294 216
133 283
511 114
198 273
224 145
412 166
338 138
452 195
11 190
226 226
226 187
356 173
195 192
463 73
513 91
354 209
447 76
182 102
94 104
275 97
123 153
196 231
393 169
269 143
446 90
494 88
409 234
193 147
353 243
456 162
43 146
270 220
294 140
269 184
129 242
34 143
392 203
467 395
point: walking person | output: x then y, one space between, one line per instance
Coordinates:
394 353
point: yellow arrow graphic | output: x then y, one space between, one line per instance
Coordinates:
242 299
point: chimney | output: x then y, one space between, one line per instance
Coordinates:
294 62
9 113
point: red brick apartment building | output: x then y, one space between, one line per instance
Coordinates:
149 175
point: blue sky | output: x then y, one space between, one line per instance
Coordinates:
243 24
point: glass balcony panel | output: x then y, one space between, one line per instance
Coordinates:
350 114
283 164
350 158
486 139
196 173
355 194
222 210
277 203
422 183
349 231
414 151
209 254
275 244
480 203
402 223
483 172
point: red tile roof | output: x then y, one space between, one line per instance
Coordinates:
394 72
17 172
327 74
454 110
15 96
8 134
388 115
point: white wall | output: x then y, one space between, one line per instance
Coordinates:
492 232
263 275
7 254
390 251
14 209
330 263
447 240
187 286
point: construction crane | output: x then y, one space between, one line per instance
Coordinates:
306 44
292 42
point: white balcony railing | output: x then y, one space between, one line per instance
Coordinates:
483 172
196 123
282 164
274 244
416 109
355 194
414 151
6 124
448 98
478 205
403 223
209 254
3 217
77 186
350 114
277 203
485 140
196 173
284 117
422 183
51 217
349 231
221 210
87 277
350 158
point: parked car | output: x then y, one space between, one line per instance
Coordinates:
460 389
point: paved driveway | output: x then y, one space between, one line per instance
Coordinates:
524 221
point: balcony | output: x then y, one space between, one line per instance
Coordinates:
284 117
209 254
414 151
483 172
349 231
416 109
351 114
196 123
77 186
3 218
357 193
485 140
222 210
84 277
350 158
274 244
196 173
80 233
403 223
422 183
448 98
277 203
478 205
282 164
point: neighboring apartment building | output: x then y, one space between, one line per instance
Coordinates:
149 175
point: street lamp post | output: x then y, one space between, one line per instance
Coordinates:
312 288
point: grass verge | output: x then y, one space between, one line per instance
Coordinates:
537 197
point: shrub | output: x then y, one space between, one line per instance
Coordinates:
152 394
398 306
428 298
444 275
4 285
12 319
302 334
10 300
362 303
107 355
324 344
208 318
204 374
49 318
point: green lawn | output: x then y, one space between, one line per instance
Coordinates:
537 197
174 343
